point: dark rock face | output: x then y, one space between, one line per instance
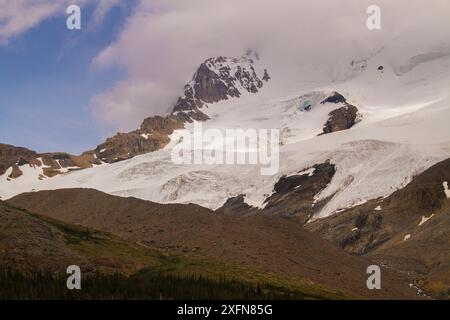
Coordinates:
189 101
335 98
341 119
421 197
217 79
378 228
236 206
209 86
152 135
266 76
294 196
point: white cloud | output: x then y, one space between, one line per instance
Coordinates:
165 40
18 16
128 101
102 9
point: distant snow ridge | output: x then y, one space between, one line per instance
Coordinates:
417 60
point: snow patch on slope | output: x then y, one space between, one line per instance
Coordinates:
425 219
446 190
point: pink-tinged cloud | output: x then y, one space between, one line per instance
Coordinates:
164 41
19 16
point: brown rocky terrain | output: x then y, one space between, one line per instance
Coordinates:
292 196
31 243
151 136
52 163
273 244
409 230
341 119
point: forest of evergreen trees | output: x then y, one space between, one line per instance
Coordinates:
142 285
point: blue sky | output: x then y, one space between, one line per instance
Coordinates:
47 82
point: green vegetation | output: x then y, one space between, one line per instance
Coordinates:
145 284
125 270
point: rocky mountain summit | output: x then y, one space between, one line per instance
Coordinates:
216 79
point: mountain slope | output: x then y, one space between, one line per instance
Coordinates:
409 230
270 244
36 250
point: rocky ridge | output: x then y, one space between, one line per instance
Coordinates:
14 160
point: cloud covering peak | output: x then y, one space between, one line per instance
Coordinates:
164 41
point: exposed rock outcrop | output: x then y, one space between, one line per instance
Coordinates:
151 136
15 159
217 79
292 196
335 97
266 76
341 119
409 230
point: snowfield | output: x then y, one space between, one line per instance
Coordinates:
404 130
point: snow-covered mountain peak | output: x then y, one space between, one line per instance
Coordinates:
218 79
404 130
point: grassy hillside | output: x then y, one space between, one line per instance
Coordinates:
113 268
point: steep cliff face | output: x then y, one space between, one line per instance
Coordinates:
11 155
218 79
